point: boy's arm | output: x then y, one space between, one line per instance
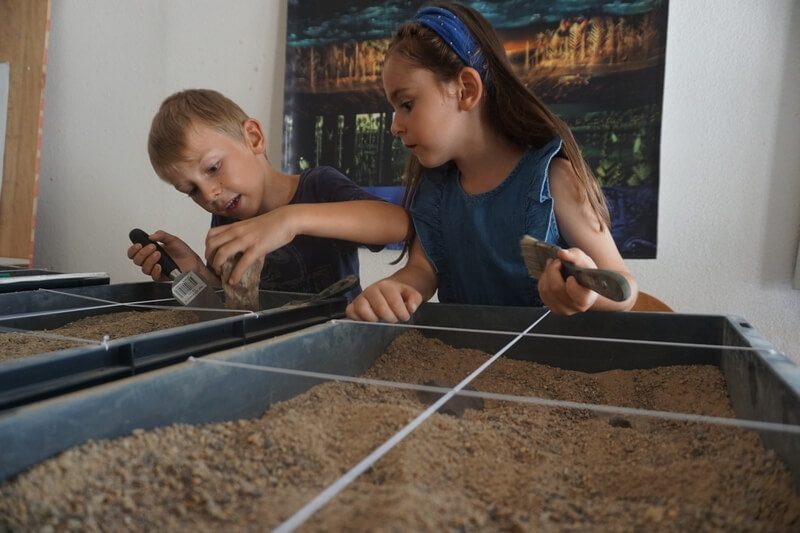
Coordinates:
361 221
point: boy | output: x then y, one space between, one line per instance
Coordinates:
306 228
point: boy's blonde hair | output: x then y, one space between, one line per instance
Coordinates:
166 142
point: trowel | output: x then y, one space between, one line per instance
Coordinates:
335 289
189 288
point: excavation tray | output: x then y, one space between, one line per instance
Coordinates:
33 378
763 384
13 279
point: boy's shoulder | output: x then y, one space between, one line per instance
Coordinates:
327 184
318 174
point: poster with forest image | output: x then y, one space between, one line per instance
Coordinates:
598 64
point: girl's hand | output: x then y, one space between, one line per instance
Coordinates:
566 297
387 300
254 237
147 256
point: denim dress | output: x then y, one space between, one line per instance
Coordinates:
473 240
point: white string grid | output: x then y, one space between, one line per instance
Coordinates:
324 497
141 304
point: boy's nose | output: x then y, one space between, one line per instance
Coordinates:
210 190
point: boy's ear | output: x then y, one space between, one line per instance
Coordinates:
254 136
470 88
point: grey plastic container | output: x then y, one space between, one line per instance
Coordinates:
13 279
36 377
763 384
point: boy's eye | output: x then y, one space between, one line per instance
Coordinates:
192 191
213 168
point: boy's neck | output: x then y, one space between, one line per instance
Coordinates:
279 189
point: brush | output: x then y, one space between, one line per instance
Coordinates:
607 283
189 288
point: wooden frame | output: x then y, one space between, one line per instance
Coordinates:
24 27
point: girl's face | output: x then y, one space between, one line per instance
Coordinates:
223 175
427 118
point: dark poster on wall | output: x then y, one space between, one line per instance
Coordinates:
598 64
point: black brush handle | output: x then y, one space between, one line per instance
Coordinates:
168 266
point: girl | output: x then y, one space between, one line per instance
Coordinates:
489 163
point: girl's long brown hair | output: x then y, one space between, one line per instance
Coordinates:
511 108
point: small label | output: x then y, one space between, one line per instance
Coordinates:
186 288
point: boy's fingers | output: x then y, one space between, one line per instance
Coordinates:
132 250
150 262
215 256
244 262
160 236
213 247
143 253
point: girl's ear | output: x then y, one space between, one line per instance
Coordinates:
470 88
254 136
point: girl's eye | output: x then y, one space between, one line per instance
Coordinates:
407 105
213 168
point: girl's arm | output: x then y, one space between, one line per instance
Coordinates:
397 297
361 221
591 247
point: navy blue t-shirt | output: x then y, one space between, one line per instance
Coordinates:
310 264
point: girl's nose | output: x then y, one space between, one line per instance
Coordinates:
396 128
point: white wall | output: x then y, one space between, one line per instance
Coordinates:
729 215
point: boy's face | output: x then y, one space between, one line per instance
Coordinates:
223 175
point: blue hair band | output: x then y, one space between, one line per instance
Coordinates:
455 33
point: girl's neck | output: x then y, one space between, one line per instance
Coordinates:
486 162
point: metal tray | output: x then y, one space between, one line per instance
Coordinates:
763 384
33 378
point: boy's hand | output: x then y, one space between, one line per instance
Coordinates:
566 297
387 301
147 257
254 237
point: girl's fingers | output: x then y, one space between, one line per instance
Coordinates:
413 299
577 256
381 307
395 306
386 301
360 309
579 295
